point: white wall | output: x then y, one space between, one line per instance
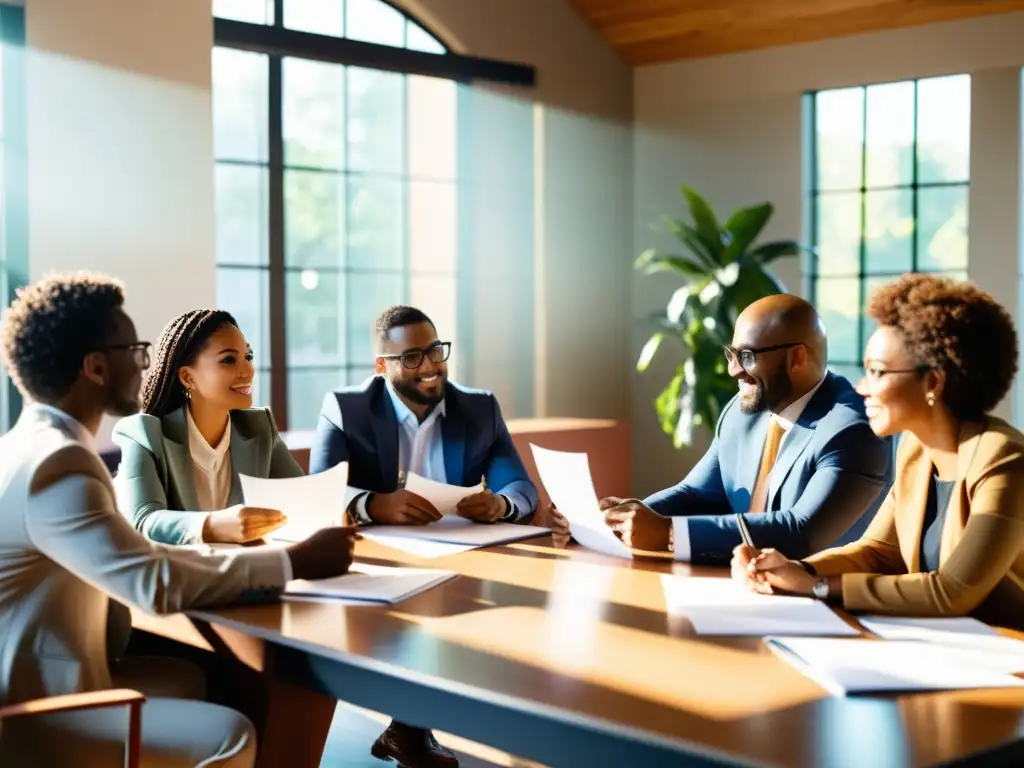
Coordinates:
731 127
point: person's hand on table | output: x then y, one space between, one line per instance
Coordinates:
240 524
770 572
483 507
326 553
401 508
639 526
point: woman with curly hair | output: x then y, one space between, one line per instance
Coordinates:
949 539
181 457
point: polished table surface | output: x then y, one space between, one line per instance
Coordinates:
575 637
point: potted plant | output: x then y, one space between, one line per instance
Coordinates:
723 272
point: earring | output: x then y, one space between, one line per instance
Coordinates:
931 400
188 394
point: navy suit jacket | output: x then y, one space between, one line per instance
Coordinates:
829 478
358 425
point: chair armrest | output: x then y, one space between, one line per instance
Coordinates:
74 701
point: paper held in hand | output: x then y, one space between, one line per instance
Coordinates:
310 502
567 479
444 497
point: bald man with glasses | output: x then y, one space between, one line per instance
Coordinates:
793 453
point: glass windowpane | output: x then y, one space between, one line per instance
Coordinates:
838 217
432 226
240 103
261 389
376 223
321 17
942 229
944 129
889 229
839 127
314 219
359 375
890 135
242 218
432 127
315 306
245 294
436 295
368 296
838 303
374 22
306 391
313 114
251 11
418 39
376 120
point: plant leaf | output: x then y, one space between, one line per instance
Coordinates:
743 227
648 352
705 223
691 238
767 252
651 261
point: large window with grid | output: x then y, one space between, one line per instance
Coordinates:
13 181
337 184
889 189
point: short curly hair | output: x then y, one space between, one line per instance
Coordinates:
52 325
957 327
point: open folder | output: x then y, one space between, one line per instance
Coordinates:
846 666
369 583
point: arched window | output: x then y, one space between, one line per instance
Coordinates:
337 184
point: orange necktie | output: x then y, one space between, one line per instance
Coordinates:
771 451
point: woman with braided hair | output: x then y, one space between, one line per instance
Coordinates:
181 457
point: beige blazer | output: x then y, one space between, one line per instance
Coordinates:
981 556
64 548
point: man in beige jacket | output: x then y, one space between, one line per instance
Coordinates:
65 550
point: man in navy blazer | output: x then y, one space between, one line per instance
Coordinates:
793 453
410 418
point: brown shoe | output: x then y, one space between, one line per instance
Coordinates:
412 748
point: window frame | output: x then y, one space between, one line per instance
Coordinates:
278 42
914 187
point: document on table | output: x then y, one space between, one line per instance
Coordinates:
846 666
964 633
444 497
369 583
310 502
567 479
457 530
723 607
421 547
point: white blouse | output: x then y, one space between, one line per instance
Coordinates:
211 467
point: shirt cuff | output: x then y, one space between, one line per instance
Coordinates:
286 566
511 513
358 509
681 538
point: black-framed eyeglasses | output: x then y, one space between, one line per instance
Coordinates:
412 359
748 355
140 349
875 373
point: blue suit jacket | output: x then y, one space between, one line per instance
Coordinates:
829 479
358 425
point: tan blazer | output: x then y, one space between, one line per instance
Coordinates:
64 548
981 556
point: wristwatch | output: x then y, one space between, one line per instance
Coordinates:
820 589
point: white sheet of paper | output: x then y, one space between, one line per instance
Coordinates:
369 583
310 502
458 530
567 479
722 607
421 547
845 666
444 497
964 633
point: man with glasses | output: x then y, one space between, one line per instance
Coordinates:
410 418
793 453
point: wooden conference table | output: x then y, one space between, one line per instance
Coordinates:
568 657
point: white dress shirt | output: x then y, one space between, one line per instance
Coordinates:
82 435
785 419
211 467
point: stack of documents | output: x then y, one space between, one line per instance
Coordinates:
567 479
369 583
963 633
456 530
723 607
844 667
310 502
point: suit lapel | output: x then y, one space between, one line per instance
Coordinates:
244 460
384 423
956 514
793 446
916 484
453 442
179 461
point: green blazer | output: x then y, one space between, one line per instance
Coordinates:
154 483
